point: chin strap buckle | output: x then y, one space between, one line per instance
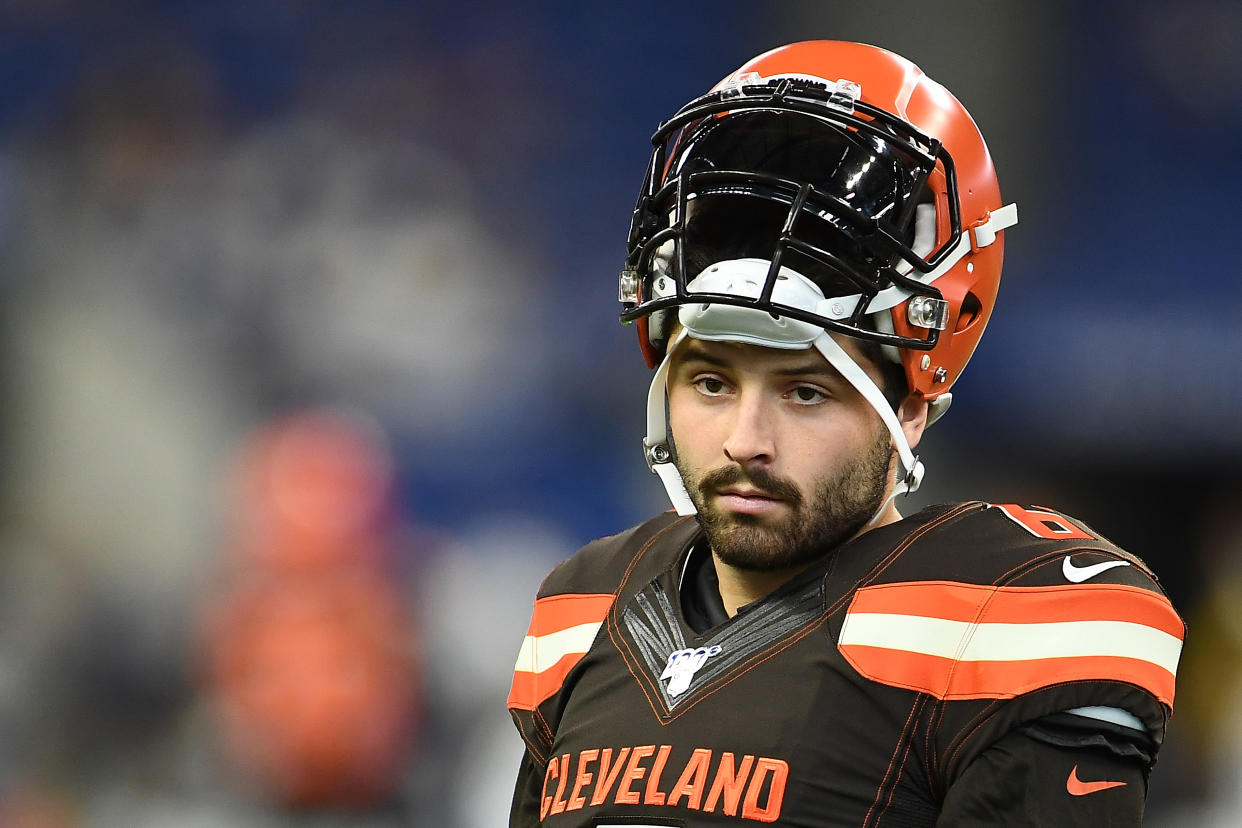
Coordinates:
914 476
657 455
660 461
909 483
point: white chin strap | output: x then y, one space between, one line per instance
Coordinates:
729 323
914 468
655 444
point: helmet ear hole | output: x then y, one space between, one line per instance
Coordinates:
971 307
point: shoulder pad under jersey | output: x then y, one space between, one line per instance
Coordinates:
571 607
1007 613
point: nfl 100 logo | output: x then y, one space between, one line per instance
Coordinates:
683 664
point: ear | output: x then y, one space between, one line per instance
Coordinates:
912 414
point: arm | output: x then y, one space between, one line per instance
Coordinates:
524 813
1061 770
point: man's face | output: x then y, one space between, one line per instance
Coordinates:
783 458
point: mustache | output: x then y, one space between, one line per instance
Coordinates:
761 479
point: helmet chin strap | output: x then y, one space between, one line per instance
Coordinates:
656 444
857 377
725 323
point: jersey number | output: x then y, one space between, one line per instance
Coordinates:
1043 524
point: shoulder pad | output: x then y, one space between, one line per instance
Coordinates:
602 565
576 598
984 543
996 602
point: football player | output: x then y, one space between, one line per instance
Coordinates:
814 255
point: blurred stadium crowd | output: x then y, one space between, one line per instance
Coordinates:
311 370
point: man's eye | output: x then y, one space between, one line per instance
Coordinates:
710 385
808 395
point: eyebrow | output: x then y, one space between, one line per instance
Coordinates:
817 368
696 352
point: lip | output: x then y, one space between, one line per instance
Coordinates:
749 501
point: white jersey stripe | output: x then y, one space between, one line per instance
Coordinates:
540 652
965 641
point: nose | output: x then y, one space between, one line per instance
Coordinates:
750 437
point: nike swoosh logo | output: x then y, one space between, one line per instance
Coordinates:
1077 787
1078 574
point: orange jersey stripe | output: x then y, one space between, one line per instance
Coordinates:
955 640
529 689
946 678
562 629
1022 605
560 612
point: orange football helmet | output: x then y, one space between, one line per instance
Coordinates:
844 163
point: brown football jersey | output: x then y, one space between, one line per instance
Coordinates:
927 667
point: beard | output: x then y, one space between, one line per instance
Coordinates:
817 523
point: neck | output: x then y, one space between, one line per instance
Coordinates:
739 587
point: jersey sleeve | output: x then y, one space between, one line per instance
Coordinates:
527 793
1009 615
562 630
1028 781
1074 623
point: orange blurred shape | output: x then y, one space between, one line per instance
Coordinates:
311 489
30 805
315 679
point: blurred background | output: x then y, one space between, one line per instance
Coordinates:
311 368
